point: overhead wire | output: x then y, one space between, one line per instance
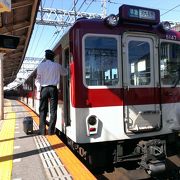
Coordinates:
56 37
89 5
37 44
47 44
81 5
58 33
75 4
41 32
170 10
77 10
34 34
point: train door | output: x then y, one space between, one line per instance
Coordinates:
141 84
170 83
66 90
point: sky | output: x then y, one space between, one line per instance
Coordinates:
45 37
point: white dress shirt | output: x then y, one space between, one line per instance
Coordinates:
48 73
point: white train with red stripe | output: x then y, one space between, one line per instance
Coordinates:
121 99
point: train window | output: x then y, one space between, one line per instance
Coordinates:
170 63
139 62
101 63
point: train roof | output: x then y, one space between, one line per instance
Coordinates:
99 25
129 18
122 22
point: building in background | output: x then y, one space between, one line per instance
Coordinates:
176 27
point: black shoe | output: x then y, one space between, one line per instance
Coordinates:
41 133
51 133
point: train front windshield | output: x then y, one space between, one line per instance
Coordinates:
101 61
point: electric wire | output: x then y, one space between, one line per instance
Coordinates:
41 32
75 3
170 10
37 44
34 34
68 18
89 5
58 31
41 53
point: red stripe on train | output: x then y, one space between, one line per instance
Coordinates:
85 98
119 97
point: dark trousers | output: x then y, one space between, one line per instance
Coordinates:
48 93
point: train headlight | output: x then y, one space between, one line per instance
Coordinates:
111 20
166 25
92 125
92 120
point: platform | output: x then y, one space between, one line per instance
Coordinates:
32 156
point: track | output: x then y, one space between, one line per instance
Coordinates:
123 174
119 173
130 171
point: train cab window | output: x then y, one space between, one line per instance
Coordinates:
170 63
101 62
139 62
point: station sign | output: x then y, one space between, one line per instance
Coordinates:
5 6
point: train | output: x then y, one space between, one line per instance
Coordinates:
121 99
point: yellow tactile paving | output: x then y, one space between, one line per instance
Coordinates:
72 163
7 143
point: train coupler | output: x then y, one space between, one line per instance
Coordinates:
156 167
153 156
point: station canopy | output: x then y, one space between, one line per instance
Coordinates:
18 22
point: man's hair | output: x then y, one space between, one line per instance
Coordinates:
49 54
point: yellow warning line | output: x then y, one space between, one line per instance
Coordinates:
7 144
71 162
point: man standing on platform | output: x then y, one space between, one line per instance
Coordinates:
48 77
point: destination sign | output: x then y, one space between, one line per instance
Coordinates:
139 14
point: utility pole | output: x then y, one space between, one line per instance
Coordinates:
74 9
103 5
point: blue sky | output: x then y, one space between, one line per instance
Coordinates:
45 37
